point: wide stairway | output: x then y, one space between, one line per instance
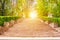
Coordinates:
31 28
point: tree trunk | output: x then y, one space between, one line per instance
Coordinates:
3 5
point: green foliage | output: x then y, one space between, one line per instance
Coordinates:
42 7
56 20
10 7
19 7
54 9
1 21
10 10
7 19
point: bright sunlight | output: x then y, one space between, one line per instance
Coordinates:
33 14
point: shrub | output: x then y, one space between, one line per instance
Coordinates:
7 19
55 20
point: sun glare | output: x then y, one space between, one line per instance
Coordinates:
33 14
